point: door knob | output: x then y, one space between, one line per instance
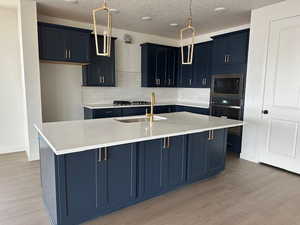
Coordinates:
266 112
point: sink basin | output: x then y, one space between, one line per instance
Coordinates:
139 119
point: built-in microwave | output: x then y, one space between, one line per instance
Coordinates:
227 85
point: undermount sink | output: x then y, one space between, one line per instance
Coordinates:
139 119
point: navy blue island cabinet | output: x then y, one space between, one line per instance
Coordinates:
81 186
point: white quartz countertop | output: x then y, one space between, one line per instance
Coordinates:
105 106
75 136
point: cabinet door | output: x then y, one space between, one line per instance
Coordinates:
152 167
216 151
107 67
161 66
199 67
52 43
79 186
171 67
197 110
107 113
133 111
148 65
238 48
120 175
78 46
197 156
185 73
101 70
219 51
176 169
163 109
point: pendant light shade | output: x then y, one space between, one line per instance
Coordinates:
188 55
106 49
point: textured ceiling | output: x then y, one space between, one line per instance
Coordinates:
8 3
163 12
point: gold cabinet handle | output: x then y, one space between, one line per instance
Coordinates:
99 155
66 54
165 143
69 54
105 154
168 146
211 135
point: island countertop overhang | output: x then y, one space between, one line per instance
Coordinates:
76 136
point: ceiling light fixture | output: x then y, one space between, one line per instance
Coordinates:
106 33
145 18
187 60
72 1
113 10
173 24
219 9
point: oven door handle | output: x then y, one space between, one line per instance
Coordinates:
227 106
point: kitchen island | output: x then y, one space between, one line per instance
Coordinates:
92 167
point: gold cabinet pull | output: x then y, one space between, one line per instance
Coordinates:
105 154
168 146
99 155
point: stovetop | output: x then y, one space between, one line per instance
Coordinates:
124 103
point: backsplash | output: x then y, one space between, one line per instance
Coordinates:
194 95
128 88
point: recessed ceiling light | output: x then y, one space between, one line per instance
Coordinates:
114 10
72 1
146 18
219 9
173 24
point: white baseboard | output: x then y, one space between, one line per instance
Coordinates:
12 149
249 158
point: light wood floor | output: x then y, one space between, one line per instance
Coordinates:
245 194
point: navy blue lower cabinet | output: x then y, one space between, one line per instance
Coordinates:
119 173
216 151
134 111
152 164
176 161
197 156
102 113
81 186
77 188
206 154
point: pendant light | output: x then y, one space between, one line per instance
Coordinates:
188 59
106 33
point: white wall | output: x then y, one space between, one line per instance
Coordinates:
254 135
12 113
28 39
61 92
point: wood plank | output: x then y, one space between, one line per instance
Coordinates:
245 194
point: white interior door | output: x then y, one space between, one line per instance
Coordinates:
282 96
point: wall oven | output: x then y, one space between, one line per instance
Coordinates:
227 95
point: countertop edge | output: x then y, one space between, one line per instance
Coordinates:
91 147
134 106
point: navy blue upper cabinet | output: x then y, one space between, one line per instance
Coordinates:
185 72
202 65
159 65
101 70
64 44
229 52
